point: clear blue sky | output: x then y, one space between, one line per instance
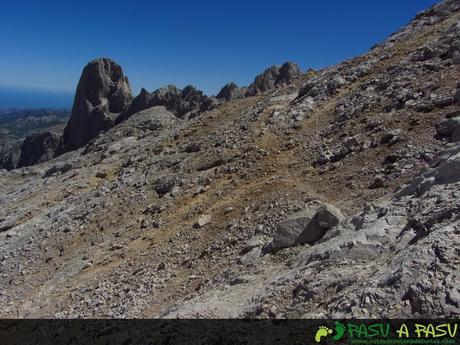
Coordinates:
45 44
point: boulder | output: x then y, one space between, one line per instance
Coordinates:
164 185
449 170
288 232
449 128
328 216
60 168
423 54
321 88
254 242
309 89
307 226
250 258
103 92
202 221
391 137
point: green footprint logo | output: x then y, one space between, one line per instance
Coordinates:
339 331
322 331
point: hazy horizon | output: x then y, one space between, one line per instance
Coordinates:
25 98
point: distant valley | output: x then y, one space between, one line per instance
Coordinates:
16 124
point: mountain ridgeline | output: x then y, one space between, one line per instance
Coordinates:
103 99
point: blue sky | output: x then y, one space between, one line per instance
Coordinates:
45 44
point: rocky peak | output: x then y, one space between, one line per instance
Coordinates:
230 92
178 101
273 77
140 102
164 95
102 93
191 92
287 73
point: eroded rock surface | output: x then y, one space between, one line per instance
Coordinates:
231 92
273 77
35 148
102 93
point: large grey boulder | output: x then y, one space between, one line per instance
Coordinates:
328 216
274 76
103 92
307 226
165 185
288 232
449 128
59 168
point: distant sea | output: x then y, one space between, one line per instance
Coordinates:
11 97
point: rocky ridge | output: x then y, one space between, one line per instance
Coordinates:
103 99
333 196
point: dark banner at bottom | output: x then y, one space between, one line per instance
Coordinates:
251 332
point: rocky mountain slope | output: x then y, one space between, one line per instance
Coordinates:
332 193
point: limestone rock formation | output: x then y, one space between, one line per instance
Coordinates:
273 77
102 93
306 227
9 159
231 92
180 102
36 148
139 103
288 232
103 99
370 263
